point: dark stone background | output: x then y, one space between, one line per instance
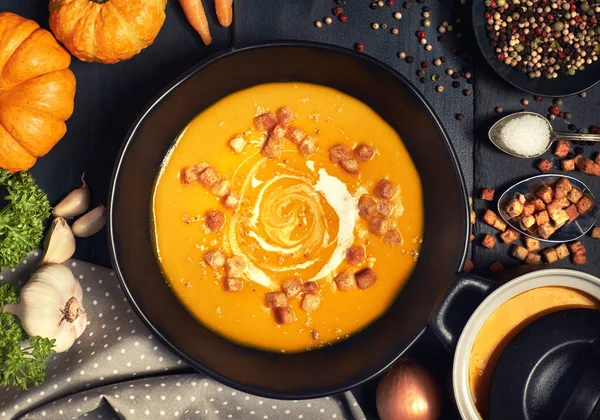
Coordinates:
109 98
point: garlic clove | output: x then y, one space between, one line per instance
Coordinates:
59 244
90 223
75 203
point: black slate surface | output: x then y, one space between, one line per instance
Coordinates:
109 98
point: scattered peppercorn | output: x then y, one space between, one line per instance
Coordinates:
384 25
554 110
395 31
558 101
582 94
318 24
443 59
524 102
467 92
420 73
375 25
538 98
328 20
359 47
426 14
424 64
435 77
402 55
439 89
380 3
428 47
409 59
551 117
594 129
426 23
455 84
499 110
343 18
337 11
449 72
571 127
407 5
390 3
442 38
568 115
373 5
459 117
437 62
398 15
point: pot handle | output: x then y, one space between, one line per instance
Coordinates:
461 299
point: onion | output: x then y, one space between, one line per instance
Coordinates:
408 392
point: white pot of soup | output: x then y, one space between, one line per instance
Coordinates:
501 316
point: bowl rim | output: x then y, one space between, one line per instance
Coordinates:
557 277
482 46
173 85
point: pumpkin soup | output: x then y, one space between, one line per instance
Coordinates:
505 323
287 216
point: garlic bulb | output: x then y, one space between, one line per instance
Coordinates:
90 223
75 203
51 306
59 244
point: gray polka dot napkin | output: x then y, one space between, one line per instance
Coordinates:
118 370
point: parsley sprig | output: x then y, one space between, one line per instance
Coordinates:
22 359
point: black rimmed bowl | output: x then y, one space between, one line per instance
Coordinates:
361 357
563 85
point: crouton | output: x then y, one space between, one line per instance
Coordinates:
236 266
587 166
468 265
308 146
295 135
527 221
538 204
188 175
560 193
514 208
365 278
340 152
367 206
572 212
350 165
553 208
231 200
489 217
545 193
471 237
550 255
310 302
364 152
528 209
214 220
487 194
567 165
237 144
496 267
563 203
345 280
285 116
522 199
291 288
562 251
542 218
509 236
584 205
489 241
379 225
500 224
532 244
579 259
385 208
393 237
215 259
575 247
574 195
533 259
232 284
209 176
472 217
565 184
220 188
276 300
385 189
546 230
596 232
310 287
273 147
355 255
560 217
544 165
266 121
284 315
519 252
562 148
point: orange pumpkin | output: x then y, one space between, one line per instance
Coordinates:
106 31
37 91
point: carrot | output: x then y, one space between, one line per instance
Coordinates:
224 12
195 14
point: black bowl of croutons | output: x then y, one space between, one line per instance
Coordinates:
345 362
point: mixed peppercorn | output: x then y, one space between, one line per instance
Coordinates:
544 38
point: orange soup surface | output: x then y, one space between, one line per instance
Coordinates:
257 224
506 322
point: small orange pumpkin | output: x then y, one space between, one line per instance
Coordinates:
37 92
106 31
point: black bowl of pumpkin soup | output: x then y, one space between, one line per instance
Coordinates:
288 229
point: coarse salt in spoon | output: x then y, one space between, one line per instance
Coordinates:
529 135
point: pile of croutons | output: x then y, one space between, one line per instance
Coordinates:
583 164
550 208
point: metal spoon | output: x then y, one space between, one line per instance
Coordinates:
567 232
494 134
